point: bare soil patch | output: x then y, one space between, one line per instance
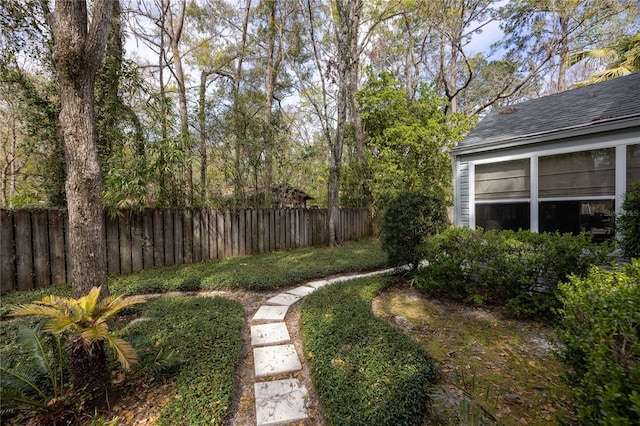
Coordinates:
499 370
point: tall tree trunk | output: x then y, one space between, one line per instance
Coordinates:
203 134
240 128
77 54
346 29
268 106
563 53
174 31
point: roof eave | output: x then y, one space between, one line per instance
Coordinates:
618 123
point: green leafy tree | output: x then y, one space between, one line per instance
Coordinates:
84 324
408 139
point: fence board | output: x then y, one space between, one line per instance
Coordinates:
136 242
113 245
204 215
124 223
24 253
197 242
219 235
175 231
56 246
158 238
7 270
241 233
41 272
147 236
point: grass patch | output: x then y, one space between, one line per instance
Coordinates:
498 370
365 371
265 271
205 333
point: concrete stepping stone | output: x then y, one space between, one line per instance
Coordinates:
279 402
270 313
317 284
269 334
301 291
272 360
284 299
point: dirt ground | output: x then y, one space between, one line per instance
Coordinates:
499 370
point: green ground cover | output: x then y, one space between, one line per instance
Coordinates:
257 272
365 371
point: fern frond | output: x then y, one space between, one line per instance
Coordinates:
38 348
34 309
22 381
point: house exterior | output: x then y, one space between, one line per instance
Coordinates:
560 162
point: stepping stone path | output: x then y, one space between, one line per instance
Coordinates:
279 402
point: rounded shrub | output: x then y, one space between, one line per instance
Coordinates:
627 224
408 220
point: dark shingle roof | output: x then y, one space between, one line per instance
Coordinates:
584 106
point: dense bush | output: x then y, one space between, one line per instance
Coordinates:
627 224
519 270
601 331
365 371
407 221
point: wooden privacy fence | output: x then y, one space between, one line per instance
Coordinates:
33 243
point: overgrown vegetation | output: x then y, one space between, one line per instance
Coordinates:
600 328
409 219
205 333
193 342
365 372
83 324
517 270
266 271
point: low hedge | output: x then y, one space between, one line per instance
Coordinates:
206 334
600 329
365 371
518 270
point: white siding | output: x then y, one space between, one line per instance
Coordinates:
463 187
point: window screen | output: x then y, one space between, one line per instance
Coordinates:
504 180
578 173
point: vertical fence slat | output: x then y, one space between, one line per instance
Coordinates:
197 243
136 242
228 245
113 245
241 233
56 246
7 265
176 232
204 215
171 237
187 225
147 242
41 272
125 243
24 254
219 235
158 238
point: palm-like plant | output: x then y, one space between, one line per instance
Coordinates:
83 323
623 58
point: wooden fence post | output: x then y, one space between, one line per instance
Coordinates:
7 266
